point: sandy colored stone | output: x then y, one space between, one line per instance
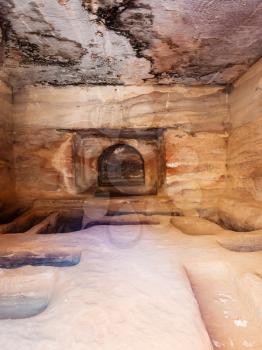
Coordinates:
240 215
245 141
199 114
7 193
192 108
242 241
196 226
195 166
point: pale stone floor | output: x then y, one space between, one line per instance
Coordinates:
137 288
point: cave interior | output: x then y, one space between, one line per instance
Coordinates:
131 169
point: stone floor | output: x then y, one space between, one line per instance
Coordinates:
136 287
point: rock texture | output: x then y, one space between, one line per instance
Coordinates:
6 147
63 164
143 282
195 167
130 41
193 109
245 141
240 214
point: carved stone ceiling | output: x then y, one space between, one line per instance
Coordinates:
126 42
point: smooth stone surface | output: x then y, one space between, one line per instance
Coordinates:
243 242
138 294
240 215
25 294
196 226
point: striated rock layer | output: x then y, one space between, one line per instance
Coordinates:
60 133
6 147
245 140
130 41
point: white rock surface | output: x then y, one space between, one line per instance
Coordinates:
130 291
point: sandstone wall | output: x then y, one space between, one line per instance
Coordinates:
193 119
6 144
245 141
195 167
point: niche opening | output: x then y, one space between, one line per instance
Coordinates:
121 165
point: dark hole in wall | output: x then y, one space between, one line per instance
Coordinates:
121 165
66 223
21 224
9 215
58 222
29 224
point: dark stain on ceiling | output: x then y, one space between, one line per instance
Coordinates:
61 42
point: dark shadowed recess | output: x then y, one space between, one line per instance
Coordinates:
121 165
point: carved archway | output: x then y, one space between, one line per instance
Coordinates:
121 165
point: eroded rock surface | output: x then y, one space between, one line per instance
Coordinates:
130 41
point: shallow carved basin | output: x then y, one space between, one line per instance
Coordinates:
25 294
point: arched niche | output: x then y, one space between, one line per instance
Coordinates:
121 165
